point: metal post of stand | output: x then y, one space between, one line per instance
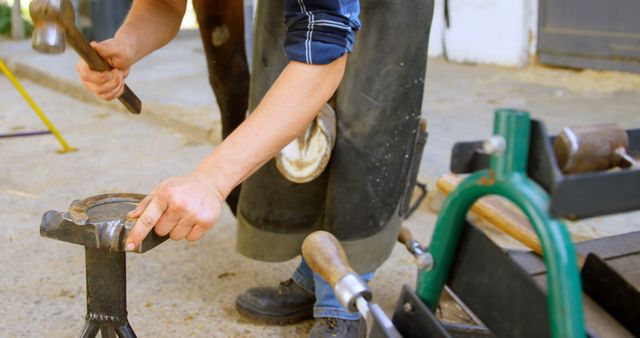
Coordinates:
106 294
99 223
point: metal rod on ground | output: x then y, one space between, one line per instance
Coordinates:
26 133
65 146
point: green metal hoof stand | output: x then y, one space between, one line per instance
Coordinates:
507 177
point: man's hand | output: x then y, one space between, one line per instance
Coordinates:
184 207
108 85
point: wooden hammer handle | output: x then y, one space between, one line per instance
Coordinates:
498 213
325 256
77 40
405 235
503 216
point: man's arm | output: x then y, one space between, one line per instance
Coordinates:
188 206
151 24
283 114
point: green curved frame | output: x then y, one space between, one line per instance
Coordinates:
507 177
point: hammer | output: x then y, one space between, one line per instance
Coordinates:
591 148
54 20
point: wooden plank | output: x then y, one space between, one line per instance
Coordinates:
598 321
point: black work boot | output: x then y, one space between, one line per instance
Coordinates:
338 328
288 303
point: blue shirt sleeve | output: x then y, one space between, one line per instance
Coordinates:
320 31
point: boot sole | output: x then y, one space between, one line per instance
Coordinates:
286 319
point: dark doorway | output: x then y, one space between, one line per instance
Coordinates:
590 34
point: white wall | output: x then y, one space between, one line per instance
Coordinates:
532 15
436 35
500 32
486 31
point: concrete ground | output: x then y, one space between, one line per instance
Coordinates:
183 289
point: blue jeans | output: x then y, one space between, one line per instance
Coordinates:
326 306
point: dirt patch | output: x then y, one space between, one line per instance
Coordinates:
587 80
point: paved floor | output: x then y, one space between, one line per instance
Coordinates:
185 289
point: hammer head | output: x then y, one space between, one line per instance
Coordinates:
591 148
51 19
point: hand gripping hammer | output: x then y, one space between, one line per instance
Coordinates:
54 22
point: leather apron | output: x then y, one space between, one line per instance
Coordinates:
378 104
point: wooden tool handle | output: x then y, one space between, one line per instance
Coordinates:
422 124
325 256
502 216
81 45
498 213
405 235
77 40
